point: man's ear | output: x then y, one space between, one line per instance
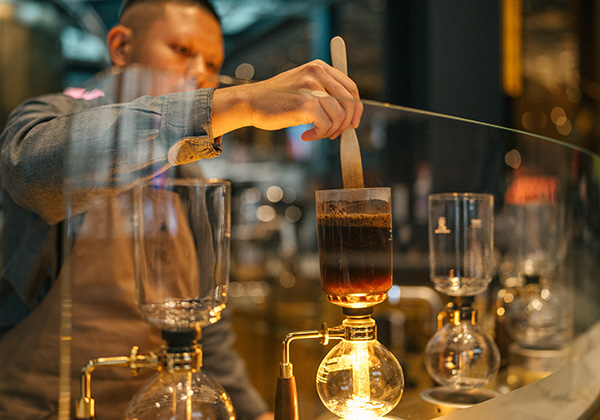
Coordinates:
119 41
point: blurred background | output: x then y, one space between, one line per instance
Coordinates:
531 65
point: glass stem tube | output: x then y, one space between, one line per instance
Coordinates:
189 396
360 371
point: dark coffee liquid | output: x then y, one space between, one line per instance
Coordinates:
355 252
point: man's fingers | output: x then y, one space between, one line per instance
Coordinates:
337 115
310 135
347 83
331 115
344 112
358 110
314 93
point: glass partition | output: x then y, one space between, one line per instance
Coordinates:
541 307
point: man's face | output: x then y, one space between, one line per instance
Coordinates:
186 40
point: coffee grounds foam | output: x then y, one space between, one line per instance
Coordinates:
356 220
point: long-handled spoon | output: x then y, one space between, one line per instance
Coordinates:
352 171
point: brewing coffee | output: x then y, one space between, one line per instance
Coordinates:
355 253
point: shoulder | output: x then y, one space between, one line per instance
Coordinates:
45 108
59 103
53 104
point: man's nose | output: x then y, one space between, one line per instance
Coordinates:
197 69
197 65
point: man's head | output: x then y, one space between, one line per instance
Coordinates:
127 4
181 36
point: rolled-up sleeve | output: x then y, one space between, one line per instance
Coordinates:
190 145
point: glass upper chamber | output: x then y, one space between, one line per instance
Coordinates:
354 229
181 242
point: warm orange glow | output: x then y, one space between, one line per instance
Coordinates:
512 30
528 189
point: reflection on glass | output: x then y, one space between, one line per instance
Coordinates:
537 316
535 245
431 136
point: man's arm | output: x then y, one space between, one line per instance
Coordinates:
314 93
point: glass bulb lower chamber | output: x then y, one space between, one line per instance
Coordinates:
462 356
538 318
360 379
181 395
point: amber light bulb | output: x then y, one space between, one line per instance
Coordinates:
360 378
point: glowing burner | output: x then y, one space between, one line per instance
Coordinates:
359 378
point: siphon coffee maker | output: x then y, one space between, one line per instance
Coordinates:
532 305
359 378
461 356
181 254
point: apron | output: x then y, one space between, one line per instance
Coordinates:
105 323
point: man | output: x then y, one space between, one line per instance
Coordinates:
114 141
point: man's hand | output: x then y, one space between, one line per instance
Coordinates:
314 93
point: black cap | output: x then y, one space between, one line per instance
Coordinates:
358 311
462 300
177 340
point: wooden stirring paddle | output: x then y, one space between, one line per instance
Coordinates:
352 172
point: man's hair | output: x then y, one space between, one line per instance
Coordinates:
206 4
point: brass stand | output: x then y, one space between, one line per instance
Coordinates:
181 352
286 397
